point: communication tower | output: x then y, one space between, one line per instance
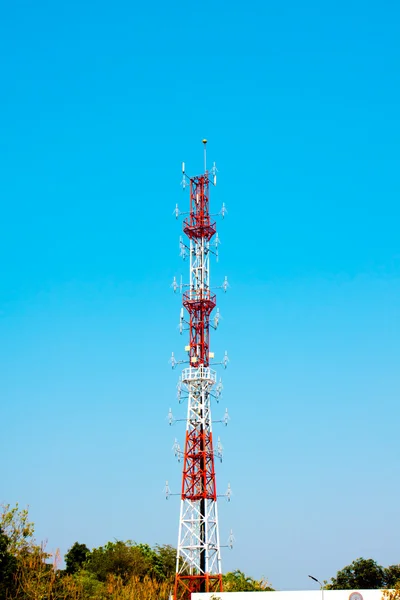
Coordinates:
198 563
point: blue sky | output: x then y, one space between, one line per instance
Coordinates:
99 104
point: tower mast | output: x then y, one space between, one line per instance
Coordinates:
198 563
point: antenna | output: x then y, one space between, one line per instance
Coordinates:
225 359
231 540
167 490
205 155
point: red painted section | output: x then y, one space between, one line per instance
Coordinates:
185 585
199 224
198 480
199 310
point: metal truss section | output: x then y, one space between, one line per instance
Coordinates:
201 374
192 541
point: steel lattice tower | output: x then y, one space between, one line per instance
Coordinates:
198 565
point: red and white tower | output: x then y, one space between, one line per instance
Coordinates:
198 565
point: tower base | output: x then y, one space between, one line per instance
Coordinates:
185 585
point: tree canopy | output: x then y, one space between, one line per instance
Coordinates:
237 581
392 576
7 565
128 559
76 557
15 524
365 574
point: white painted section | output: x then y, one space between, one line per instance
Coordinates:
296 595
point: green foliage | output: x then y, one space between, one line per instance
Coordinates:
121 559
15 525
362 574
8 566
87 585
164 562
76 557
237 581
392 576
127 559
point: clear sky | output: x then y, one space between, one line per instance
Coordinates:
99 104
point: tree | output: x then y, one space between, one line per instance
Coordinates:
164 562
76 557
392 576
237 581
121 559
15 525
360 574
32 575
8 567
85 585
